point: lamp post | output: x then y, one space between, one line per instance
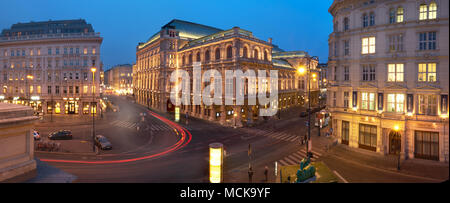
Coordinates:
93 70
302 71
29 77
398 149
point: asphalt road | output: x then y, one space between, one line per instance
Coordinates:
190 163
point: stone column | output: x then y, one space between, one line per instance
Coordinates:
202 111
239 116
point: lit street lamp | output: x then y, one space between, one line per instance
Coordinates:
93 70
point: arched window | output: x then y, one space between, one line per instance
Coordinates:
365 20
245 54
207 57
265 56
198 57
217 54
229 52
346 24
432 11
372 19
190 59
400 12
255 54
391 15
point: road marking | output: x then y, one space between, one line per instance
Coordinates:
342 178
290 161
283 163
297 155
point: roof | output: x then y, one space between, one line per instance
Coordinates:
191 30
48 27
187 30
281 63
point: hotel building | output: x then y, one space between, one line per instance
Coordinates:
52 66
120 79
179 44
389 76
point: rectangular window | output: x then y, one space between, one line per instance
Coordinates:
346 47
427 41
395 103
57 51
334 99
345 132
49 51
56 89
49 89
365 20
427 72
426 145
346 73
368 137
85 89
427 105
395 43
395 72
346 97
368 72
368 101
372 19
368 45
392 16
38 89
432 11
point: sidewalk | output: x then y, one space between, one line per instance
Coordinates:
50 174
426 169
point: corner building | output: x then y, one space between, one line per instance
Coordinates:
48 66
180 44
389 76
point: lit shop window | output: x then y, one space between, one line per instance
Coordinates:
395 103
400 12
427 72
395 72
368 45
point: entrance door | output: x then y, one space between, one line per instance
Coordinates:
71 109
394 142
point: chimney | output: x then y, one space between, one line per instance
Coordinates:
270 40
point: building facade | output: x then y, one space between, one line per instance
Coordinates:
180 44
120 79
52 66
389 77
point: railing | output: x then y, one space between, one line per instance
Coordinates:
49 36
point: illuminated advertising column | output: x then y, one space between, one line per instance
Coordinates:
216 162
177 114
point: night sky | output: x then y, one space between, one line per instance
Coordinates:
293 24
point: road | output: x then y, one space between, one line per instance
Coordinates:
150 160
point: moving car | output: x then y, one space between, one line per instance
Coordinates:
60 135
102 142
36 135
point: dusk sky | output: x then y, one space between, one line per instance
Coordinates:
293 24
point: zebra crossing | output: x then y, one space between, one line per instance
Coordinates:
131 125
296 157
274 135
124 124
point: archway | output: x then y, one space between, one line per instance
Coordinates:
395 142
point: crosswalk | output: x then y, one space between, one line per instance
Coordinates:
296 157
272 134
131 125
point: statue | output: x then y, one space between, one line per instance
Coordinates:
306 170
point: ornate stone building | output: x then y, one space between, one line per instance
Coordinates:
180 44
120 79
388 76
48 66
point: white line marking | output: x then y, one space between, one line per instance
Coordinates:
342 178
292 162
283 163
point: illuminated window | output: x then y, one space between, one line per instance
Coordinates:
427 72
432 11
423 12
395 72
400 12
395 103
31 89
93 51
85 51
368 101
39 89
368 45
85 89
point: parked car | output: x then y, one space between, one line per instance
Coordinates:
102 142
36 135
60 135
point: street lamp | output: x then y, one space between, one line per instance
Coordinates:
29 77
396 137
302 71
93 70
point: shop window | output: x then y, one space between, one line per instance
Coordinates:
368 137
426 145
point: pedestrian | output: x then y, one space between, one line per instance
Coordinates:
250 174
266 173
